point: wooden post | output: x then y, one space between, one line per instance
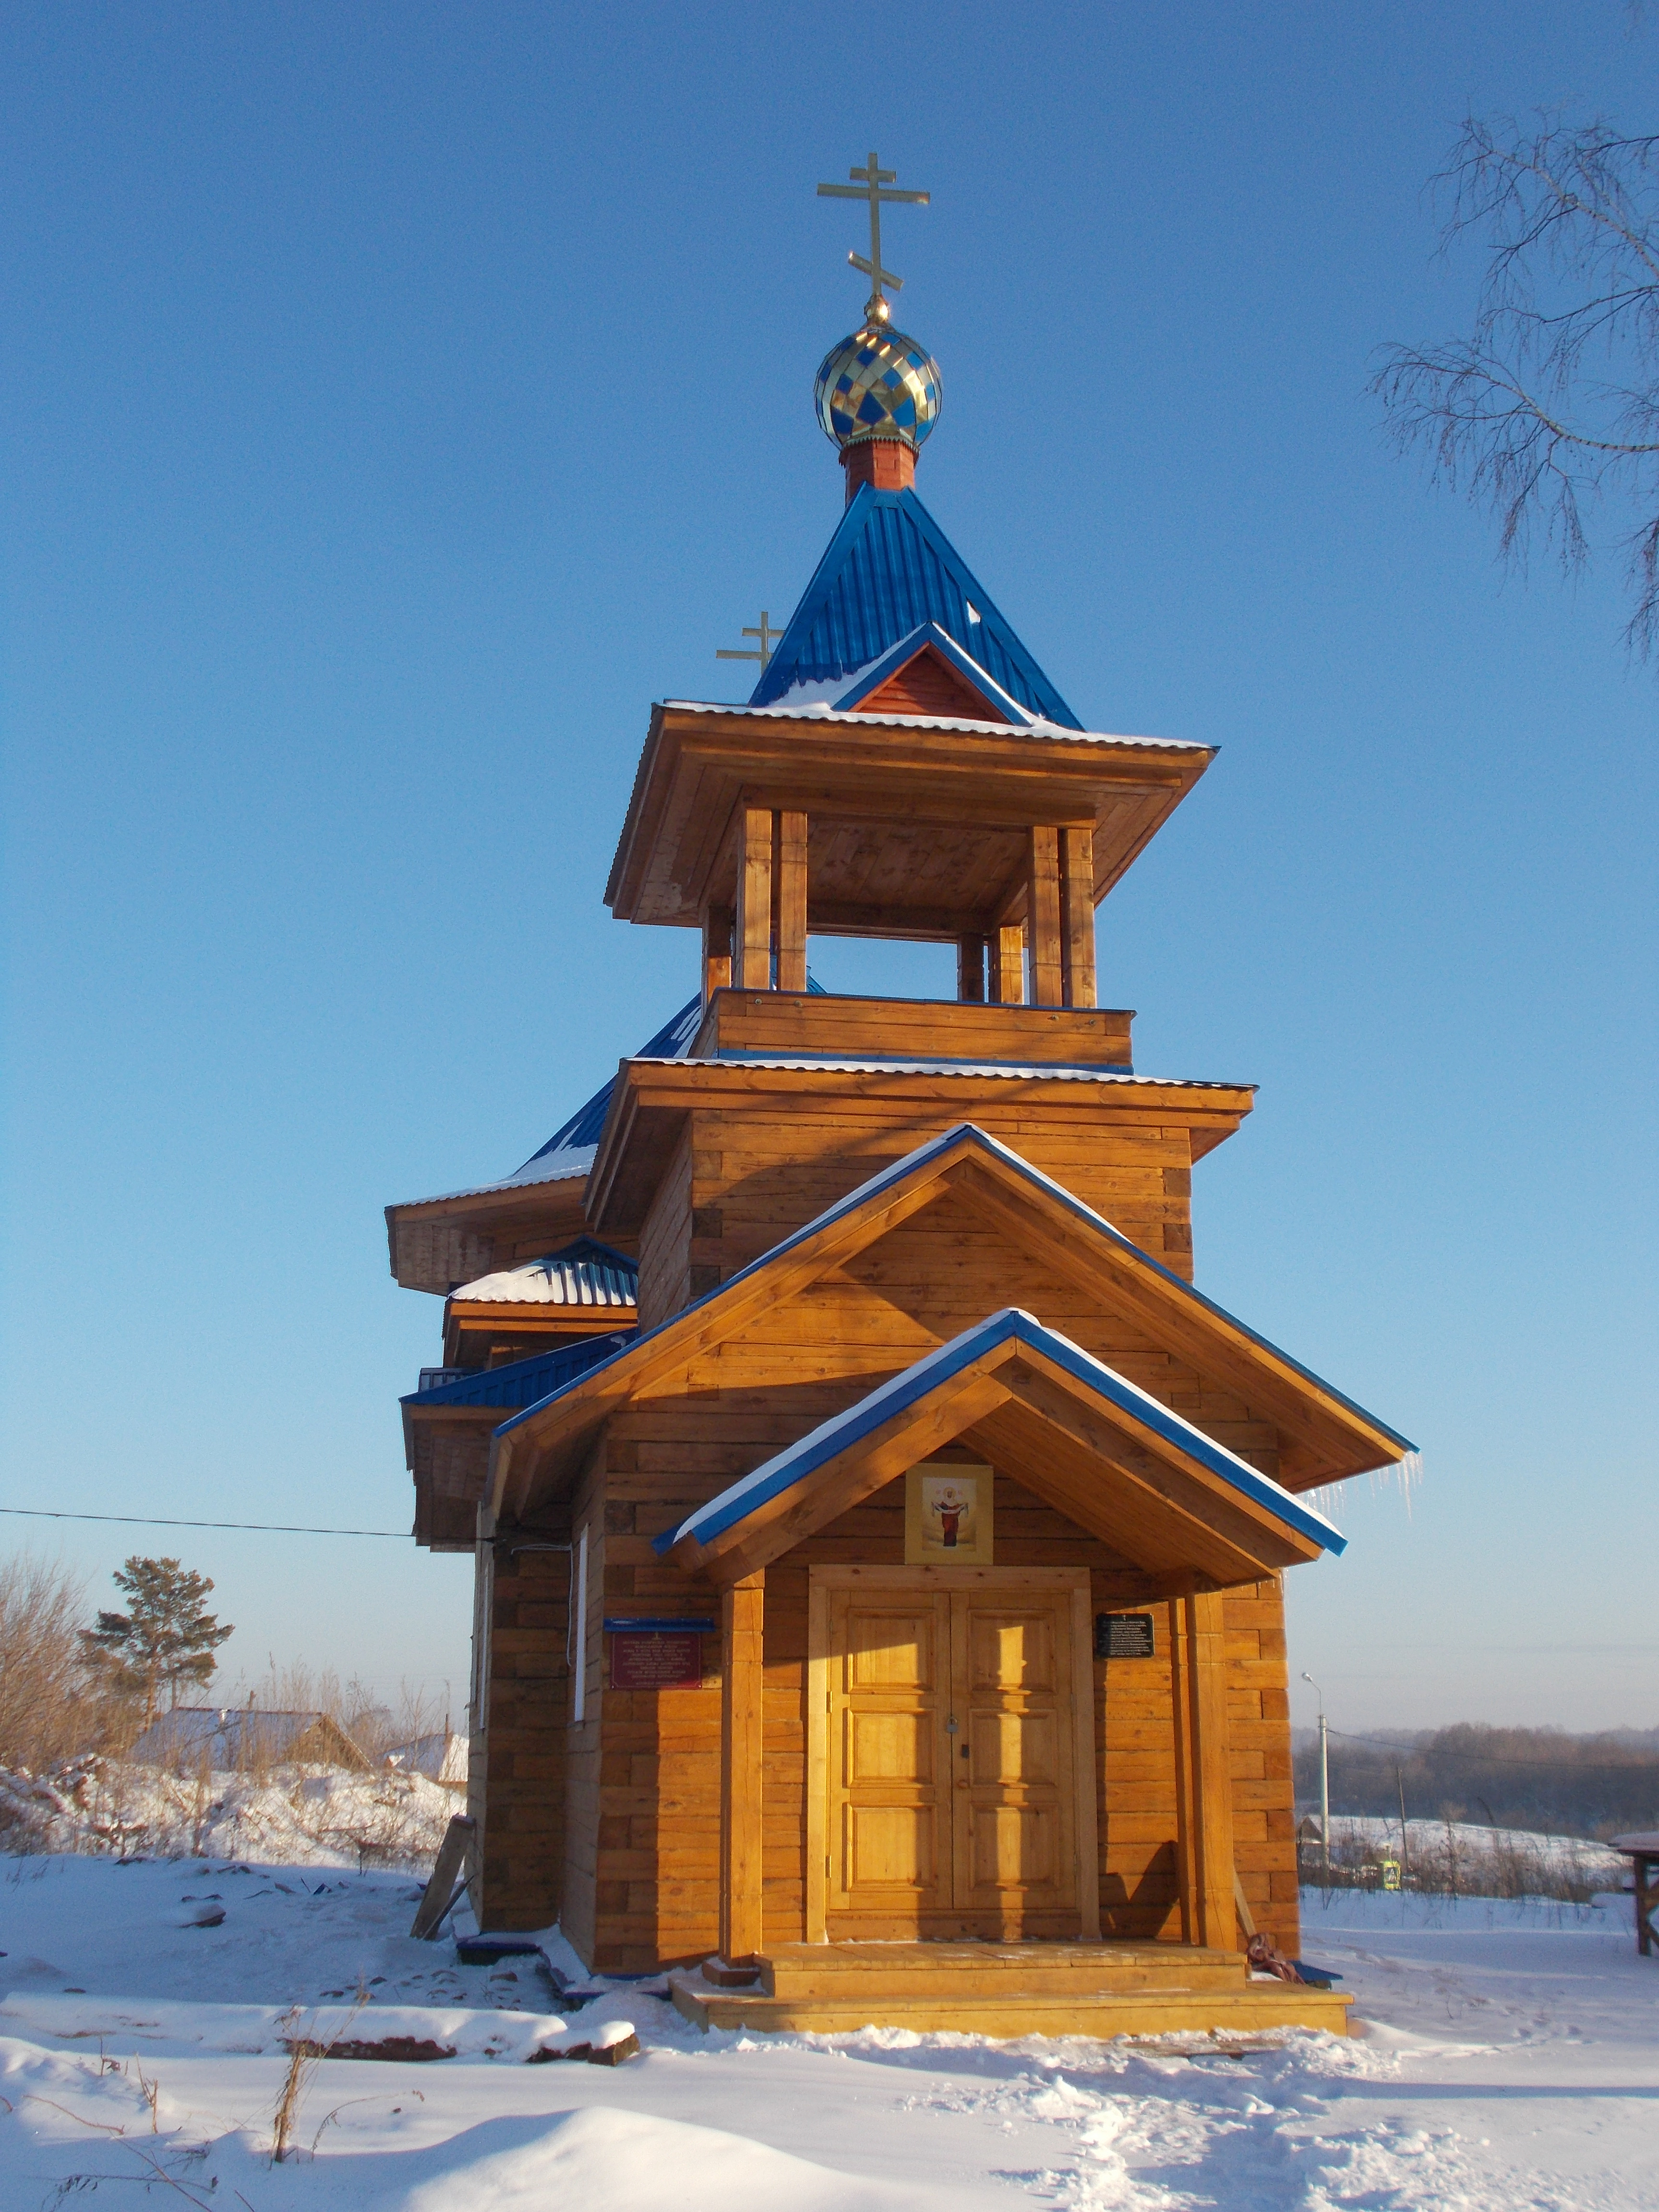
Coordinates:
791 901
1007 965
970 970
1211 1768
1042 917
716 949
1186 1794
742 1685
1204 1787
1077 887
751 949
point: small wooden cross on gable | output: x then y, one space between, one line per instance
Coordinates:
768 639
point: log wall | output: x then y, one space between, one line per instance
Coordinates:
760 1170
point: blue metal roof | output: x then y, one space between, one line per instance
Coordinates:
586 1124
888 569
522 1382
581 1133
796 1463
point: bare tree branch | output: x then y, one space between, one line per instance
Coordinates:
1549 408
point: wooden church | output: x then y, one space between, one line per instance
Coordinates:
879 1540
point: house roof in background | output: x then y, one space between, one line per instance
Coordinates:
229 1736
888 569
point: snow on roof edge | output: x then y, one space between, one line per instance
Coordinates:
1054 733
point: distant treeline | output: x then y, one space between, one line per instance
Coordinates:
1508 1778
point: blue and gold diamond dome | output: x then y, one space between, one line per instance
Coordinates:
877 383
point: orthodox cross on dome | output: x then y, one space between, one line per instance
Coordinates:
871 183
769 644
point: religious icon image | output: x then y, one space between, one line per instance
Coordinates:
949 1503
947 1517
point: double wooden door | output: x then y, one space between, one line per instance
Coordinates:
958 1759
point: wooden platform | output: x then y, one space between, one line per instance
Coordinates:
1009 1988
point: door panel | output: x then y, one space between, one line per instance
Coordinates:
950 1753
892 1846
1014 1815
888 1828
1012 1650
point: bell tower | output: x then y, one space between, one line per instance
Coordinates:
904 769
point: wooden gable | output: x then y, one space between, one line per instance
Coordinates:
927 683
934 1244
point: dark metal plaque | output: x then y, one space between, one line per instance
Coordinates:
662 1660
1123 1636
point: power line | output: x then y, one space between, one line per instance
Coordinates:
1638 1760
153 1521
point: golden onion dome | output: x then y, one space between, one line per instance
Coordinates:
877 383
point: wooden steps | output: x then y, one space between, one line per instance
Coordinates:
844 1972
1007 1990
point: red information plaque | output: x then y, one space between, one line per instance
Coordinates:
661 1659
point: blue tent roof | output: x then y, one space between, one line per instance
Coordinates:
572 1143
888 569
585 1124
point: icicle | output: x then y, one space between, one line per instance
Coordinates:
1405 1475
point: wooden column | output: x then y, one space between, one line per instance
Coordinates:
970 970
1007 965
1186 1874
1077 903
1042 917
751 947
716 949
790 901
742 1682
1203 1786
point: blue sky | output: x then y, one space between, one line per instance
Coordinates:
400 399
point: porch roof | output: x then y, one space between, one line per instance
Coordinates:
798 1461
1117 1460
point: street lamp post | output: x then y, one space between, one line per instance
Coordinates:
1324 1782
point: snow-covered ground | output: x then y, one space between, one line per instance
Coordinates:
1512 2062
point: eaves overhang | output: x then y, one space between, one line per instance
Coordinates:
984 779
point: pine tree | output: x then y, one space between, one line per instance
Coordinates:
166 1637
